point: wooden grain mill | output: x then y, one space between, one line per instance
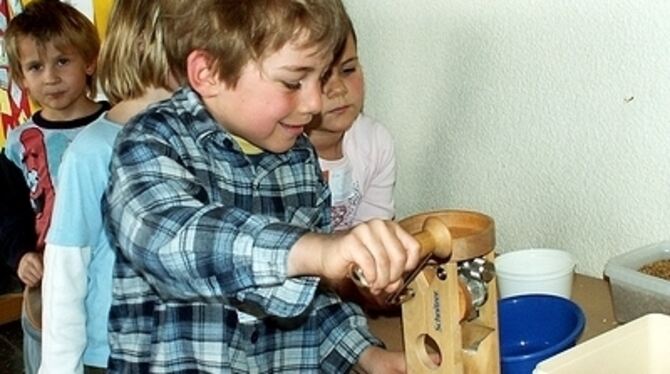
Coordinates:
449 303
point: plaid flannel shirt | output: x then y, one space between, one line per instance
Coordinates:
202 233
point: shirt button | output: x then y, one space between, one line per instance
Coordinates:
254 336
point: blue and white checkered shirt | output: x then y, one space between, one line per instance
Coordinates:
202 233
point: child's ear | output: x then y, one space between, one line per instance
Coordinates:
202 76
90 68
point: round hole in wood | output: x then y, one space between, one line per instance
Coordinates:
428 352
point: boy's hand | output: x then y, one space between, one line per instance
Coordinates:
381 249
373 305
378 360
30 269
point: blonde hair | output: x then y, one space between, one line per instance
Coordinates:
133 57
56 22
235 32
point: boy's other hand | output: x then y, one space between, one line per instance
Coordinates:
380 248
30 269
378 360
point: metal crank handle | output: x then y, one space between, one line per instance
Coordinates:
434 239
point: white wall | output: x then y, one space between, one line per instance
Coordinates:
553 117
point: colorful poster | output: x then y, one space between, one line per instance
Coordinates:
14 103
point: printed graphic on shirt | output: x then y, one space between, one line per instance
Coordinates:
39 180
346 197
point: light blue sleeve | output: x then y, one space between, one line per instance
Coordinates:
77 217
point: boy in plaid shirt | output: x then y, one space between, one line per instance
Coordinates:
219 216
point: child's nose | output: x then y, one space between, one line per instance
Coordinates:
311 99
335 87
51 75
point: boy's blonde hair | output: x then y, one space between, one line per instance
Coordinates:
56 22
133 57
235 32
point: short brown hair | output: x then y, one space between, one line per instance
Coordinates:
132 57
235 32
52 21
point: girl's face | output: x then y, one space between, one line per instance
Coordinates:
56 79
343 92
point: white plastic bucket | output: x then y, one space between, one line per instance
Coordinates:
535 271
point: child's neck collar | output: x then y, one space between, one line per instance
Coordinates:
246 146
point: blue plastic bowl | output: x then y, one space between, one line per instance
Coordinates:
535 327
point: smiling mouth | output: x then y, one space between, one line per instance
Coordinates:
295 129
294 124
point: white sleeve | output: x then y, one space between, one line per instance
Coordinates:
377 200
64 289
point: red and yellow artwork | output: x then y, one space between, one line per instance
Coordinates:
15 105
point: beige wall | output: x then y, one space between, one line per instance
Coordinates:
553 117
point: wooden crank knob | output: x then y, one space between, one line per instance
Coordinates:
434 238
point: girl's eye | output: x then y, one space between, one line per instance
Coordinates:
348 70
34 67
293 86
63 61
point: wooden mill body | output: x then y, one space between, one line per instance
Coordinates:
433 319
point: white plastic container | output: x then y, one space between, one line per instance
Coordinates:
634 293
639 346
535 270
